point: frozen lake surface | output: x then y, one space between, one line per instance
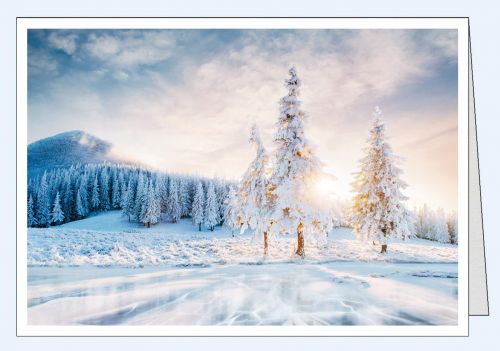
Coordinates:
294 293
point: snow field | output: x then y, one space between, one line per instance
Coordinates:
181 244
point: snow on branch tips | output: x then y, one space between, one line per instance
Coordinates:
378 210
295 170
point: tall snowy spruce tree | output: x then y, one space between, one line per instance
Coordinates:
252 192
57 212
211 214
378 211
294 208
198 206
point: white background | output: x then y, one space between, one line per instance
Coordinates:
485 51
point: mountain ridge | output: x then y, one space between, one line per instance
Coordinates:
68 148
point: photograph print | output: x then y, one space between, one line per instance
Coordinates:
276 180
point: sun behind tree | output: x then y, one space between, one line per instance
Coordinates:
294 208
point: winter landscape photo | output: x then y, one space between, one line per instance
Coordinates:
242 177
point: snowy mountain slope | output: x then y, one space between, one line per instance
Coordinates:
66 149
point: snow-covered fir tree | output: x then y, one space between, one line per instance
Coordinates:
115 192
150 213
81 209
95 200
252 192
440 227
198 206
140 196
423 223
57 216
43 203
32 221
232 213
105 202
162 184
378 210
211 215
82 202
452 223
173 203
184 197
67 198
293 207
128 201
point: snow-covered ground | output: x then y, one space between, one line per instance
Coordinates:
104 270
108 239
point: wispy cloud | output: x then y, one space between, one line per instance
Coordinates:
63 41
431 137
130 48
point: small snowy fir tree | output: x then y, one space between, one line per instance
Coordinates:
252 192
198 206
115 192
294 208
128 201
210 218
105 202
173 203
151 206
82 200
57 213
184 198
140 195
439 228
67 198
232 212
95 201
81 209
452 223
31 213
378 210
43 202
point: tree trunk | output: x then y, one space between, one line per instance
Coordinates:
149 225
383 248
300 240
265 243
199 227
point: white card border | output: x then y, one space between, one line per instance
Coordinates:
461 24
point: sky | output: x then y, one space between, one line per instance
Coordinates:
184 100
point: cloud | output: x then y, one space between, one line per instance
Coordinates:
130 48
40 62
443 43
63 41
